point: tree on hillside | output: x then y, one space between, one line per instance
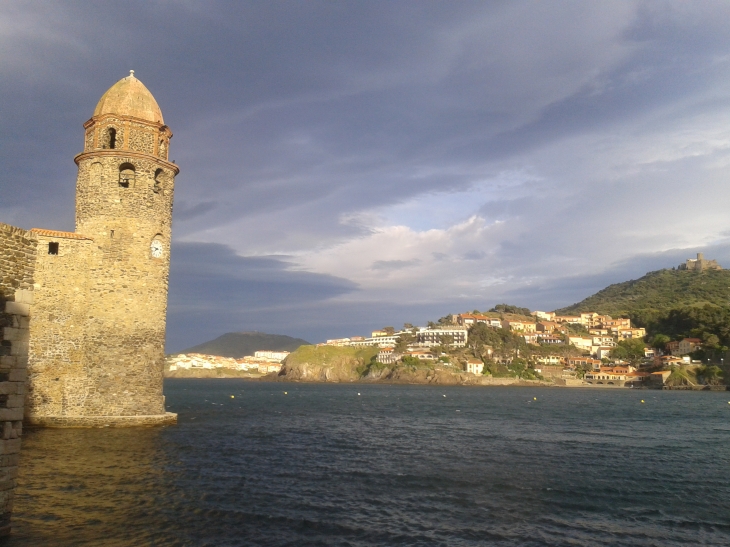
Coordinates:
576 329
518 367
508 308
631 350
410 361
659 341
446 340
403 340
502 340
388 330
711 375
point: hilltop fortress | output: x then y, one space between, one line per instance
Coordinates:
85 310
700 264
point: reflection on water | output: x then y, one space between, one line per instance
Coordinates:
387 465
81 486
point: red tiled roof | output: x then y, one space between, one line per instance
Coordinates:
56 233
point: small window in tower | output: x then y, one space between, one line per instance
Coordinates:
111 233
126 175
53 248
157 188
109 140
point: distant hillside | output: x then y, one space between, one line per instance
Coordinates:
239 344
658 291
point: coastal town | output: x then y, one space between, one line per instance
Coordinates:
583 349
261 362
586 349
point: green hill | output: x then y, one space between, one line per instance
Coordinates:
239 344
658 291
673 303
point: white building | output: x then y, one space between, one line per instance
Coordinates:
475 366
273 355
581 342
427 336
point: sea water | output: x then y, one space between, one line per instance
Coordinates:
281 464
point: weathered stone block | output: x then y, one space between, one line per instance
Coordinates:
9 446
15 335
17 308
24 296
18 375
11 414
10 388
16 401
19 349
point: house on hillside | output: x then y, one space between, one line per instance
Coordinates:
475 366
543 338
524 326
547 326
544 315
570 319
581 342
688 345
631 333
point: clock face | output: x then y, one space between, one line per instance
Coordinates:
156 248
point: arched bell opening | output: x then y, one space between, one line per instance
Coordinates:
126 175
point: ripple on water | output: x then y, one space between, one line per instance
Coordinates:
394 466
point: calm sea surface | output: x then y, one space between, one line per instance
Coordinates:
392 465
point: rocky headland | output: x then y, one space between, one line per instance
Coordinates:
347 364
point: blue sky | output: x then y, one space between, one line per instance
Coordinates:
347 165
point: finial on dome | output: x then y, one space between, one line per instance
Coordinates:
131 73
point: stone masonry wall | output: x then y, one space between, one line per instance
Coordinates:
128 293
17 260
58 380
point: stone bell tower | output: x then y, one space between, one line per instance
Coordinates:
105 365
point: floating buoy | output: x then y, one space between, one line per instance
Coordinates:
728 403
642 401
233 396
286 393
534 398
358 394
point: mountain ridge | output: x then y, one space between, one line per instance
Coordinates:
240 344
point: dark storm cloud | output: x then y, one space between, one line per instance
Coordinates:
183 212
297 123
212 290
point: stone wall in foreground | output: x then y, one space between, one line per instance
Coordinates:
17 262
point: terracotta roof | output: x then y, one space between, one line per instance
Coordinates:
56 233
